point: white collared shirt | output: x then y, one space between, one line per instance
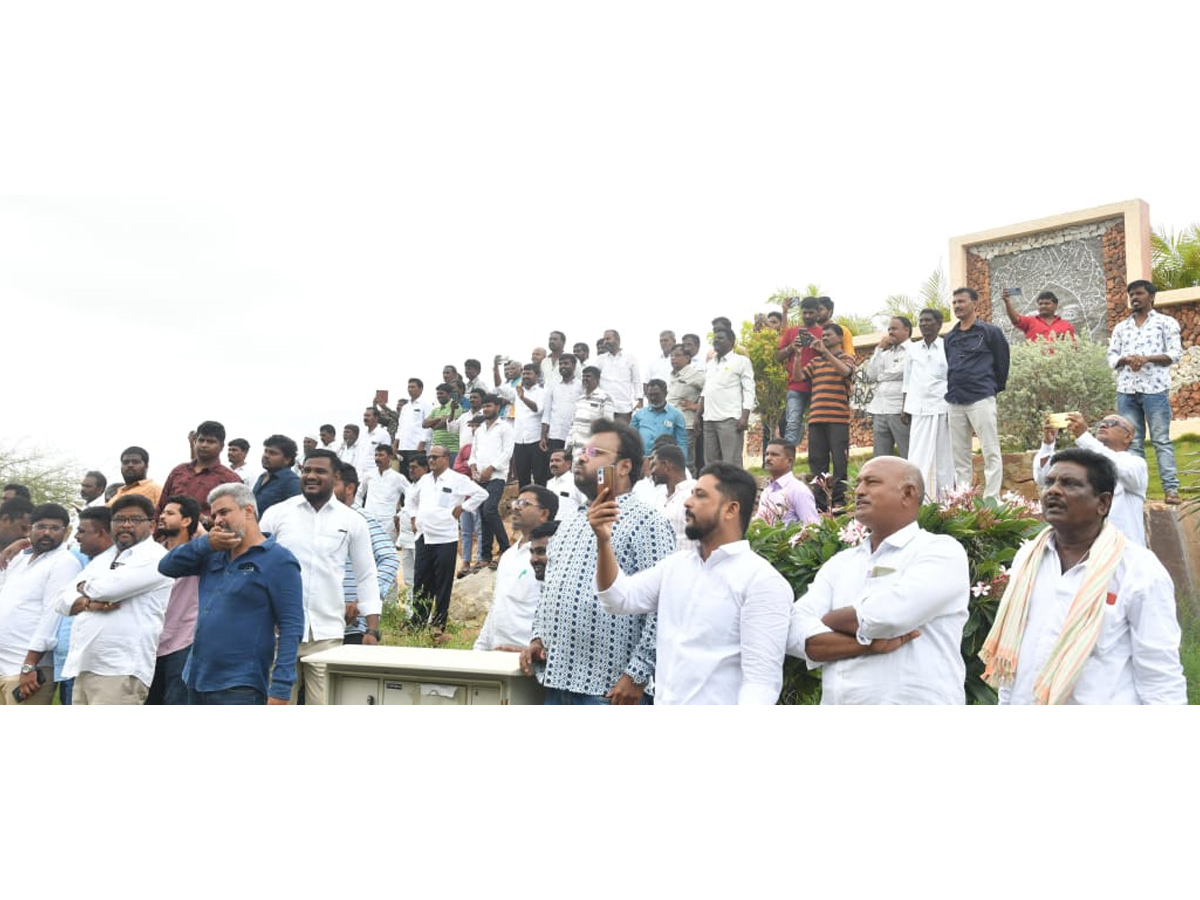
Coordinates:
728 387
915 580
1136 657
672 508
1128 512
28 619
410 433
433 500
924 383
322 540
658 367
570 498
1157 336
463 428
510 620
380 493
375 437
527 423
620 379
683 387
493 447
886 369
125 640
722 624
559 411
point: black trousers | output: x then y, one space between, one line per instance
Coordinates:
828 452
433 579
493 525
530 464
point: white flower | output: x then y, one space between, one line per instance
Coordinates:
981 589
852 533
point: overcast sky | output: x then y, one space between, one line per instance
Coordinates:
261 216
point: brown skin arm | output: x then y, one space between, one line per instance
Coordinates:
833 646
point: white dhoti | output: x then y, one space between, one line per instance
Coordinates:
929 451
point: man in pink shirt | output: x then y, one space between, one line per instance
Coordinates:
177 524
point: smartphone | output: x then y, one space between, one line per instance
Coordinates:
1014 292
381 397
806 338
606 483
1060 420
17 690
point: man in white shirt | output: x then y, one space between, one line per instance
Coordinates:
562 484
684 384
354 450
412 437
593 403
526 398
885 368
660 365
559 411
375 433
1088 617
619 377
669 470
328 438
28 619
491 454
722 609
236 452
381 490
91 489
551 372
924 388
886 618
322 534
437 501
509 623
120 603
726 401
1113 436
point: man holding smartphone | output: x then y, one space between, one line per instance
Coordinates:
795 352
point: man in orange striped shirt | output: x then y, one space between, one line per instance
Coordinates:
829 416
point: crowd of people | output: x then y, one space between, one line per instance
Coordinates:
623 574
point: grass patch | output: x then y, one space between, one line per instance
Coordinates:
1187 465
397 632
1189 650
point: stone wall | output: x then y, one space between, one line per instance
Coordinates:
1185 377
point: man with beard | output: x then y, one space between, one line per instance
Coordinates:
91 489
200 475
723 610
28 619
251 593
539 541
383 546
322 534
134 462
592 656
177 524
279 481
119 601
527 399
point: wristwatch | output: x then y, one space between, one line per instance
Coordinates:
375 634
26 668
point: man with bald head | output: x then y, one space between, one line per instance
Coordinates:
885 618
1114 435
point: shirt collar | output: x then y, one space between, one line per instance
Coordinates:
898 539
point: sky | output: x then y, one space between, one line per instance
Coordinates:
261 216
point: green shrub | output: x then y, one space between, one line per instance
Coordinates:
1059 376
989 531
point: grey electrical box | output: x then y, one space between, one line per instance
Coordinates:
358 675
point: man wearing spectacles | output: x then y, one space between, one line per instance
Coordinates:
120 601
28 620
1114 435
509 622
435 503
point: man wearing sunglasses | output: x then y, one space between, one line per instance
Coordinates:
120 601
1114 435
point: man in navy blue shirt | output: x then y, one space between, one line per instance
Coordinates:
279 479
249 589
977 370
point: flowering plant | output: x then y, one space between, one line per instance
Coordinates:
989 530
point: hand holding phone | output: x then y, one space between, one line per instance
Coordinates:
606 483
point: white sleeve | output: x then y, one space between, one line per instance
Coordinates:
632 594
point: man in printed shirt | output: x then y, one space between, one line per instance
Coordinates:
591 656
785 498
387 560
510 619
726 401
831 373
1088 617
1142 349
594 403
120 602
723 610
28 618
885 618
889 421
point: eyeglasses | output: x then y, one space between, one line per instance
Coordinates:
50 529
1111 423
522 503
129 520
593 452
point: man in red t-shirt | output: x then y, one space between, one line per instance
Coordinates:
795 352
1046 325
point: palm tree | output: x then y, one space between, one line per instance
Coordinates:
776 300
1175 258
934 293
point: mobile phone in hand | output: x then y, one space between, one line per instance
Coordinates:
41 678
606 483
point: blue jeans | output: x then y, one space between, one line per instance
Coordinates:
471 538
234 696
1154 411
168 688
65 688
559 697
793 417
